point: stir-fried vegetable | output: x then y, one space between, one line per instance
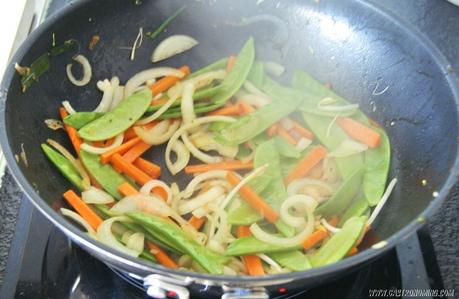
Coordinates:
287 177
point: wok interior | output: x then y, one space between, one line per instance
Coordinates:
341 42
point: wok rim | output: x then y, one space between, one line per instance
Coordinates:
134 264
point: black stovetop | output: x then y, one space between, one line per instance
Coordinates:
43 263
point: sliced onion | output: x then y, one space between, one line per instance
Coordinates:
329 227
195 123
107 99
80 220
87 71
254 100
213 174
274 68
348 148
296 186
172 46
155 136
295 201
96 196
150 185
173 94
150 74
326 105
102 150
198 154
303 144
142 203
105 235
382 202
271 262
183 157
207 78
263 236
200 200
85 181
136 242
206 141
68 107
187 106
118 92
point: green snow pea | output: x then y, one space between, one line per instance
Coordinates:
279 91
340 243
312 109
358 208
251 125
238 74
219 64
198 109
105 175
251 245
64 166
257 74
243 215
293 260
286 149
203 256
377 163
341 199
119 119
80 119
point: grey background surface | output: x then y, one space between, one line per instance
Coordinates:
437 19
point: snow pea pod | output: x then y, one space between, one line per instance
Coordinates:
358 208
286 149
219 64
119 119
341 199
293 260
64 166
280 92
105 175
257 74
203 256
340 243
377 163
251 245
243 215
80 119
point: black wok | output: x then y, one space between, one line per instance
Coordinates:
355 45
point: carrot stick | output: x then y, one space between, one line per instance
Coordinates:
245 108
353 251
197 222
228 165
136 151
71 131
126 189
286 135
129 134
302 130
169 81
227 111
153 170
333 221
122 149
231 63
83 209
304 166
159 102
314 239
252 262
130 170
254 199
161 256
272 130
359 132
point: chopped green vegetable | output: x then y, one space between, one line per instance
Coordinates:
251 245
293 260
81 119
160 29
358 208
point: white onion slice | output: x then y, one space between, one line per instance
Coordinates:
80 220
156 135
206 141
213 174
173 94
207 78
271 262
105 235
96 196
303 144
254 100
172 46
296 186
87 71
274 68
382 202
136 242
148 187
200 200
197 153
106 87
101 150
294 201
118 92
348 148
150 74
183 157
149 204
68 107
187 106
326 105
329 227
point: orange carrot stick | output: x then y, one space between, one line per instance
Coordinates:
228 165
126 189
304 166
302 130
159 102
359 132
122 149
353 251
197 222
254 199
136 151
71 131
130 170
286 135
227 111
83 209
252 262
167 82
314 239
129 134
245 108
153 170
230 64
272 130
333 221
161 256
